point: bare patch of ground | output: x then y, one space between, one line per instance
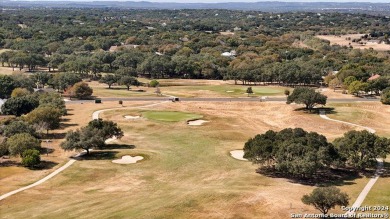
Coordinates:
238 154
197 122
127 159
346 40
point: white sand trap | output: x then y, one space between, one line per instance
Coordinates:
132 117
229 91
127 159
197 122
238 154
110 140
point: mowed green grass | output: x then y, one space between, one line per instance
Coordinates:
170 116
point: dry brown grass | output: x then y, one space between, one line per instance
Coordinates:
9 71
372 114
342 41
189 173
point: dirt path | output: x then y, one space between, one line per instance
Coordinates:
95 115
372 181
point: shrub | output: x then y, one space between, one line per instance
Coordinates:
154 83
31 158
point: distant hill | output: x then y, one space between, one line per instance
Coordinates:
351 7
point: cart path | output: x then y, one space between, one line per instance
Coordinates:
95 115
372 181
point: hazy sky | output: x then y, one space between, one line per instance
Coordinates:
218 1
214 1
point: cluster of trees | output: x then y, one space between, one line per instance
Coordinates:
20 136
187 44
91 136
18 85
112 79
297 153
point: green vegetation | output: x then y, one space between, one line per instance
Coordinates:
31 158
361 148
154 83
19 105
170 116
19 143
385 97
307 96
17 127
45 118
326 198
20 92
295 152
7 85
292 152
92 136
80 90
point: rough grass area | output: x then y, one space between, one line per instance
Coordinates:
170 116
380 193
187 88
373 115
188 172
222 90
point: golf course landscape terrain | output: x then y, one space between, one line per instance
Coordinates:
151 110
187 171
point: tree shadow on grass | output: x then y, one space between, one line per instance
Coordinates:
328 110
45 150
325 177
8 163
45 165
117 146
55 136
99 155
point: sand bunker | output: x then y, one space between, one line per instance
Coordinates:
132 117
238 154
110 140
197 122
127 159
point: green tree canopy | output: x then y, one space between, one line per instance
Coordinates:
47 115
17 127
19 143
291 151
361 148
19 105
7 85
31 158
307 96
109 79
107 129
385 97
326 198
82 90
53 100
85 138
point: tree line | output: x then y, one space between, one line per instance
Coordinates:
302 154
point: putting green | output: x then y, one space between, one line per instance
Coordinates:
170 116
